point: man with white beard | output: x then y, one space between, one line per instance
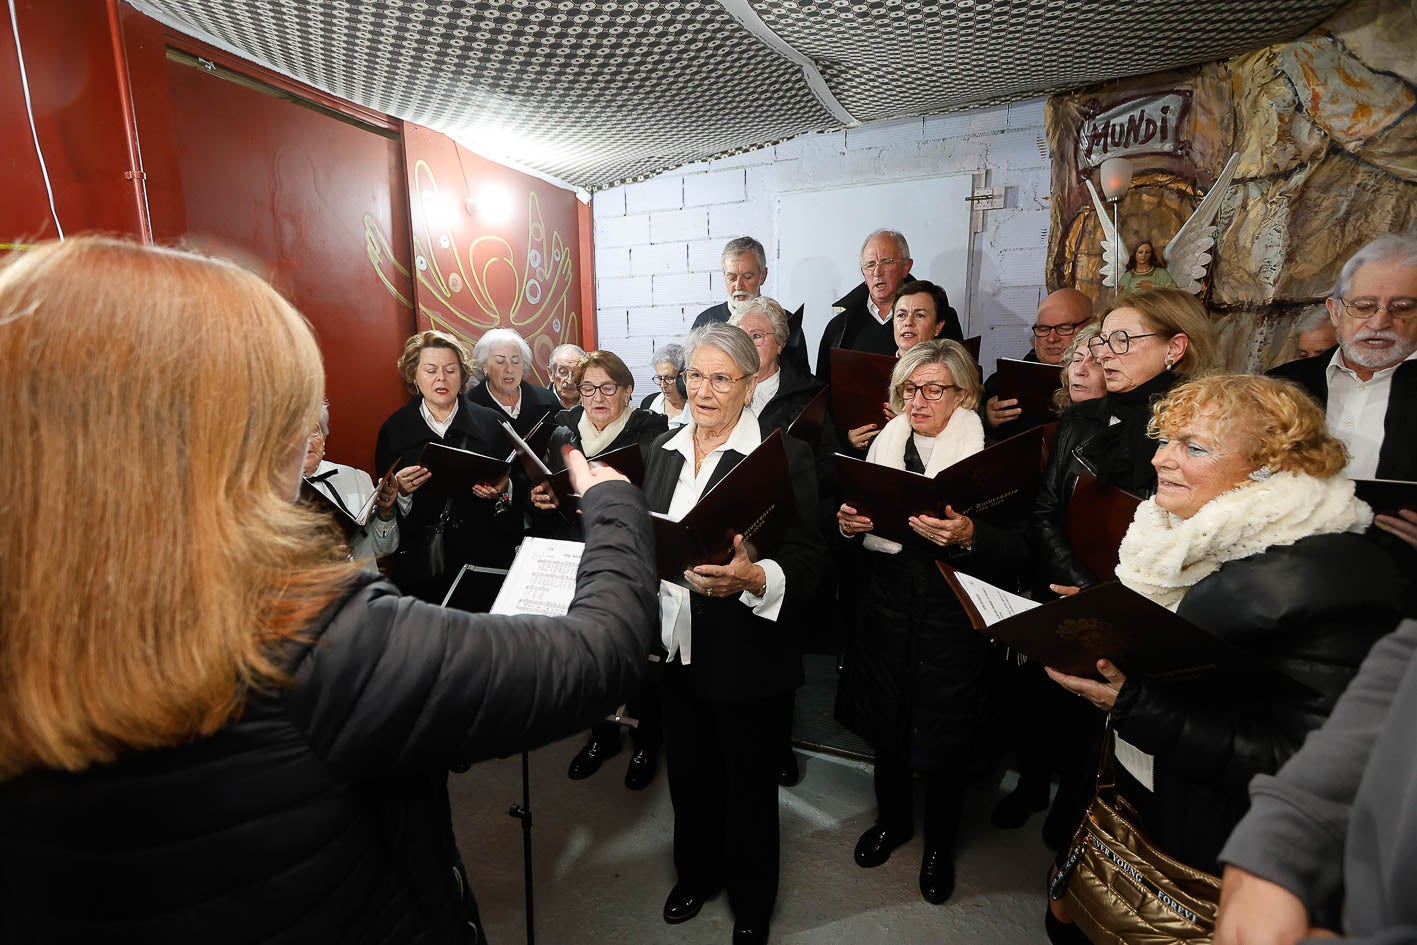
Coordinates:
745 269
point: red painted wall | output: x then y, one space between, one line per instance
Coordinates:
315 205
69 59
522 272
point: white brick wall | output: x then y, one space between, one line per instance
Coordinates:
657 242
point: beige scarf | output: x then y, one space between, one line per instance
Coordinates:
1162 556
593 441
962 436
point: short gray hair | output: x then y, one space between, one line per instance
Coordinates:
777 318
732 341
496 338
673 353
901 245
551 361
964 373
1316 317
324 420
1399 248
745 244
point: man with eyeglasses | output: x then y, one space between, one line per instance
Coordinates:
1367 383
863 319
1059 317
562 371
745 269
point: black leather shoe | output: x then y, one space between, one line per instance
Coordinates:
750 934
589 759
876 844
641 771
789 774
1019 804
682 905
937 875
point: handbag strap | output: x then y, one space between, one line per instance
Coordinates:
1107 764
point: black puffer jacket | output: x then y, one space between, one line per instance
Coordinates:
1117 454
321 814
1311 611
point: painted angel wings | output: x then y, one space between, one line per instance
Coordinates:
1114 252
1188 253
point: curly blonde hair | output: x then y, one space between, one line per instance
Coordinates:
413 350
1286 430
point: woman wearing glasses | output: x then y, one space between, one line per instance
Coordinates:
604 421
669 376
733 659
918 680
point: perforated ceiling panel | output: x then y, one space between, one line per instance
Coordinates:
596 93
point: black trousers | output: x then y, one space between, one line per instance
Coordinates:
895 800
647 709
723 759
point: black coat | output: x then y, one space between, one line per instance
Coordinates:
320 814
1027 420
856 328
537 402
474 532
1118 454
1398 457
795 351
1310 611
917 678
738 656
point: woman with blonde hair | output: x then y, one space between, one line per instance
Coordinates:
1254 535
212 726
917 680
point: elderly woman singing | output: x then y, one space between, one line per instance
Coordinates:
732 665
917 682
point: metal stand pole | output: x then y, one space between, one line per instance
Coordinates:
522 812
1116 254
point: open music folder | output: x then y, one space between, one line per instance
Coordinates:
1098 518
1386 496
454 469
1031 383
753 500
993 484
350 520
1108 621
860 385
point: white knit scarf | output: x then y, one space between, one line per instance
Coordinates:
593 441
962 436
1162 556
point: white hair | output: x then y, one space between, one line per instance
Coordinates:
1399 248
901 245
556 351
731 340
496 338
777 318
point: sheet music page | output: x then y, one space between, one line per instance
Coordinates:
542 578
993 603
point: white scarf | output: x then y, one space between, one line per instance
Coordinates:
962 436
593 441
1162 556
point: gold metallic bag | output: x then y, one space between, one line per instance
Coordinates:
1121 890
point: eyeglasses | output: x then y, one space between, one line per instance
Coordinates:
1399 310
664 380
608 389
1119 341
1065 330
871 266
908 391
723 383
561 371
760 336
317 434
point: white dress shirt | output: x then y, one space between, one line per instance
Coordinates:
876 312
676 630
515 410
1356 412
352 488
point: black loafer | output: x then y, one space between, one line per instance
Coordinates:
789 774
937 875
756 934
682 905
641 771
876 844
589 759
